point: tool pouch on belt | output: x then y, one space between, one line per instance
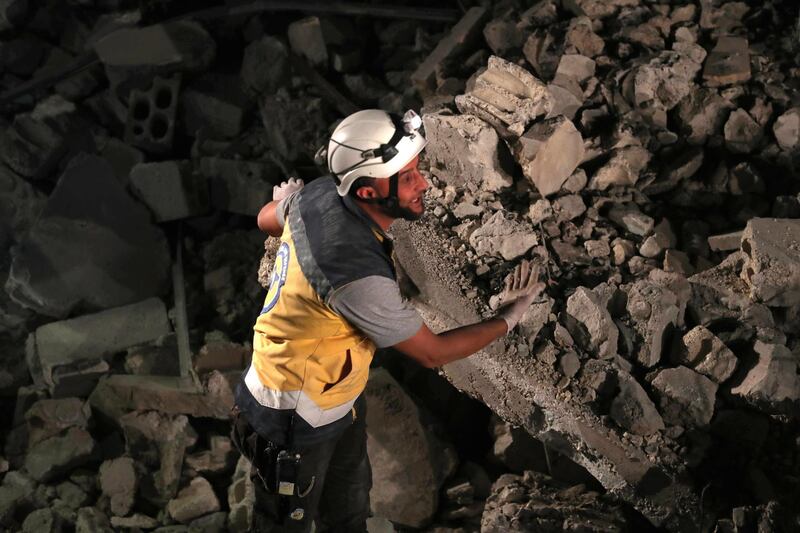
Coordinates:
261 453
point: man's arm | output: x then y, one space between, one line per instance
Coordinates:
268 220
431 350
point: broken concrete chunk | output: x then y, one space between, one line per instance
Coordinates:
597 248
787 130
196 499
629 217
502 35
576 66
661 83
59 346
582 39
241 498
543 50
703 114
216 104
506 96
622 169
58 455
49 417
310 38
499 236
685 397
725 242
409 459
586 307
72 254
678 167
466 151
772 268
20 204
655 313
742 133
239 186
265 66
566 100
295 127
118 481
170 189
549 152
150 122
32 148
13 13
466 32
179 45
569 207
773 381
708 355
633 410
728 63
120 393
540 210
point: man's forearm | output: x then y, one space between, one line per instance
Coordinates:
462 342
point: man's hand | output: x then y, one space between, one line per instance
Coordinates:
279 192
522 287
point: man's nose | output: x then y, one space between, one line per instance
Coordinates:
422 183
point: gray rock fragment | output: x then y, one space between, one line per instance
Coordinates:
661 83
48 417
655 313
629 217
685 397
241 498
633 410
569 207
58 455
582 39
118 481
466 151
265 66
20 205
702 115
239 186
703 351
506 96
215 104
772 267
310 37
549 152
725 242
92 520
170 189
501 237
81 251
773 381
624 168
742 133
586 307
728 63
787 130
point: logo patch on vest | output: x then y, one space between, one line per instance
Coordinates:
278 278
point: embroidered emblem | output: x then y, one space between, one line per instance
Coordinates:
278 278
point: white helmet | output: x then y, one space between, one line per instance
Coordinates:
372 143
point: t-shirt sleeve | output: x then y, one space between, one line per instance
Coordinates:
374 305
283 208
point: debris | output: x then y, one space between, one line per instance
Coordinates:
310 37
478 165
582 39
787 130
549 151
725 242
118 480
705 353
772 266
742 133
685 397
49 417
703 115
61 353
623 168
150 124
460 38
69 257
629 217
170 189
506 96
501 237
728 63
408 460
569 207
586 307
20 204
772 382
238 186
216 104
265 66
655 312
58 455
633 410
661 83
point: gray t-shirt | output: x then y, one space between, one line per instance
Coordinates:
372 304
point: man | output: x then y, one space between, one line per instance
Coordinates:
333 298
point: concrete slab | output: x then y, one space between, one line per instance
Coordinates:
549 152
94 251
772 268
170 189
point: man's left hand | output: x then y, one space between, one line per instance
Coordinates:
287 188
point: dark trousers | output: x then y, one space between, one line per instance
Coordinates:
332 486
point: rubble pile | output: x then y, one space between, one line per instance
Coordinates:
646 154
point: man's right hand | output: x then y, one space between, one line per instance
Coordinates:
522 288
285 189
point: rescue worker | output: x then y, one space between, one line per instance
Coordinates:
333 299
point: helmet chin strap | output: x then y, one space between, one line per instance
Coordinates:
391 202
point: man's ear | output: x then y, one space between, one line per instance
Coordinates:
366 192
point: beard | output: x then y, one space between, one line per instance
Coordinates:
395 210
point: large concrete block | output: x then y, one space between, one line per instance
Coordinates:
523 390
170 189
60 348
239 186
466 151
506 96
549 151
150 124
95 250
772 267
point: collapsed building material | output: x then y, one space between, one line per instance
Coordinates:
72 254
216 104
499 236
150 124
119 482
661 83
265 66
705 353
32 148
506 96
312 36
742 133
725 242
772 383
408 460
787 130
728 63
196 499
170 189
58 455
20 204
633 410
686 398
624 168
460 38
549 152
702 115
238 186
65 355
480 161
772 267
588 309
48 417
241 498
